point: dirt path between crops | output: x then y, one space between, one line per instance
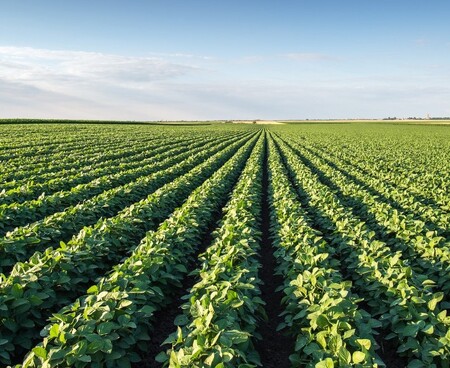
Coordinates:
274 348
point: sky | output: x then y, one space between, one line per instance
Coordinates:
246 59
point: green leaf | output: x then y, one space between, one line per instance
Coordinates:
5 355
320 338
40 352
58 354
54 330
416 363
358 357
125 303
105 328
442 315
179 335
107 346
92 290
437 297
311 348
301 342
410 330
147 309
210 359
428 329
17 291
344 355
95 346
364 343
162 357
237 336
327 363
181 320
85 358
123 363
349 333
322 321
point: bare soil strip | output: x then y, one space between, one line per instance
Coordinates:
274 347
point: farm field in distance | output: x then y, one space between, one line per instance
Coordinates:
225 245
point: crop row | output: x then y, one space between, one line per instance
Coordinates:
19 244
140 158
24 213
21 166
321 311
224 306
97 150
404 201
403 301
397 162
82 166
53 276
106 157
424 246
111 325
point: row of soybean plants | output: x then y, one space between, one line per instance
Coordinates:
321 310
386 173
412 312
29 182
106 154
52 166
97 153
101 147
400 199
88 179
415 159
17 135
93 149
111 325
219 319
19 214
51 279
424 245
12 152
21 243
39 158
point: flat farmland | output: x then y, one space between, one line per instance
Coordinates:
225 245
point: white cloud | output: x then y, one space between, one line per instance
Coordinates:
48 68
58 83
309 56
251 59
85 85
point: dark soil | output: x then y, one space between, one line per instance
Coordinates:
163 327
388 352
275 347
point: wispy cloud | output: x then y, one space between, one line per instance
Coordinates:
422 41
309 56
86 85
47 69
53 83
251 59
180 55
295 56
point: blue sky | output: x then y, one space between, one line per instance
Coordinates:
150 60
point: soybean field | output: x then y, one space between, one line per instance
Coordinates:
225 245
